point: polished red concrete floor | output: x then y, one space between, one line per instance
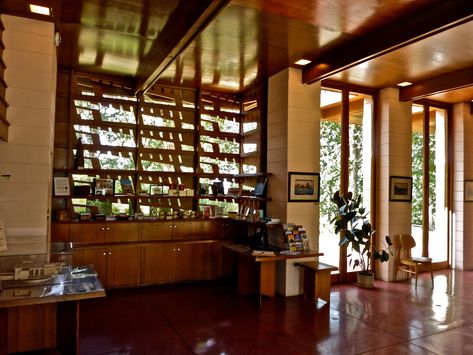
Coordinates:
392 318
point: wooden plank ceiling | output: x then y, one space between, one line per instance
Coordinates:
230 45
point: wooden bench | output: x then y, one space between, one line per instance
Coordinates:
316 280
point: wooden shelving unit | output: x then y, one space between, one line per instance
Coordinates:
168 136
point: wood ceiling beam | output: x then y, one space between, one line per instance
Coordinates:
185 23
436 85
436 19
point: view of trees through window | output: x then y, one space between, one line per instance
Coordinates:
436 220
177 138
359 160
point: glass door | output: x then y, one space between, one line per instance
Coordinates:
345 163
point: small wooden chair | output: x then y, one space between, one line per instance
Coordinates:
409 264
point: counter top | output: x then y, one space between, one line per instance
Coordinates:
83 284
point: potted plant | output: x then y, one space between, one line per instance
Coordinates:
352 224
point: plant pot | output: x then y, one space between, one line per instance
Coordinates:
365 279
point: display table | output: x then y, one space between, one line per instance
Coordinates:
37 283
257 274
66 296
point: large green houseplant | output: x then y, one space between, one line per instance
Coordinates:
352 224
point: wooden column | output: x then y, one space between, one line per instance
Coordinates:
425 187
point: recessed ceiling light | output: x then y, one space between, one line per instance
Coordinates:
42 10
303 62
404 83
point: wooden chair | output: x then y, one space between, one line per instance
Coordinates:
409 264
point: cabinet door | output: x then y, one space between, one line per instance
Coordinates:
214 228
60 232
237 230
123 265
187 230
198 261
121 232
159 263
156 230
94 256
84 233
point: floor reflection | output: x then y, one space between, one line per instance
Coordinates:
392 318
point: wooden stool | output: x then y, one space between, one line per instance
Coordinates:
316 280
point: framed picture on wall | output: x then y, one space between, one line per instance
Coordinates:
400 188
468 190
61 186
304 187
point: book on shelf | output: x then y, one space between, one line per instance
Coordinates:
127 186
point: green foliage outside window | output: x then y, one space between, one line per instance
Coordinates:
418 179
330 142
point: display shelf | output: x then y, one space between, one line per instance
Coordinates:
250 175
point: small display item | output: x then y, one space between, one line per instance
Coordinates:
63 215
127 186
217 188
122 217
104 186
156 190
206 210
100 217
260 186
85 216
81 190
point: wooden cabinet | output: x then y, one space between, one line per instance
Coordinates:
132 253
122 232
187 230
117 265
172 230
60 232
221 228
172 262
95 232
123 265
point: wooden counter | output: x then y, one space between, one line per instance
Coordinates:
64 296
258 273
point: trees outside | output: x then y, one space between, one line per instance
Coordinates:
418 179
111 135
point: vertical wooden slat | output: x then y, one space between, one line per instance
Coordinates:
450 177
344 169
426 179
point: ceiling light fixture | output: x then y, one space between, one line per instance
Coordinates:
404 84
303 62
42 10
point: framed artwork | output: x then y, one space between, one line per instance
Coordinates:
61 186
400 188
468 190
304 187
104 186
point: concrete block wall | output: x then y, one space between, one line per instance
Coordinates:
293 146
30 57
277 144
395 142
